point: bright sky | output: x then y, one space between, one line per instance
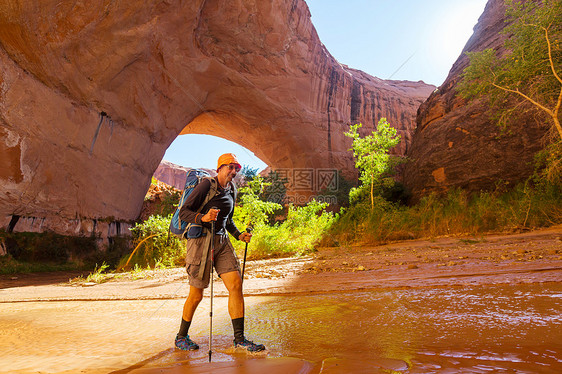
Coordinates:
390 39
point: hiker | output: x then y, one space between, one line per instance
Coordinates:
226 263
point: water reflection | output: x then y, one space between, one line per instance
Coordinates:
470 330
499 328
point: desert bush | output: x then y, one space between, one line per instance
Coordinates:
154 245
304 227
296 235
456 213
46 251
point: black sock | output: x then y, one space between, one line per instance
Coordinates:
238 325
184 327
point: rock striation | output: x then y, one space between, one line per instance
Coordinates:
456 144
92 94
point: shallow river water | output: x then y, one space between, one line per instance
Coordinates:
484 329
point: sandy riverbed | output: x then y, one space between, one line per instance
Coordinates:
529 257
492 261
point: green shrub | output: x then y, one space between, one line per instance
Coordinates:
455 213
548 168
301 230
252 210
373 159
297 235
274 189
8 265
47 246
46 251
153 245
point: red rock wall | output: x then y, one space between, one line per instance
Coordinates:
171 174
92 94
457 145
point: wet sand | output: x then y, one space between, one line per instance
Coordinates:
126 325
494 259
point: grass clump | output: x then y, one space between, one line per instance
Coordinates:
97 276
9 265
456 213
27 252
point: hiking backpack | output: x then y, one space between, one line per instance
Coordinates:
192 179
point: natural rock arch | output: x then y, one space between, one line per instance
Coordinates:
275 147
93 94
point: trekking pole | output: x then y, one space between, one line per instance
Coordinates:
249 231
211 309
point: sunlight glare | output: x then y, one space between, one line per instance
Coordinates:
455 29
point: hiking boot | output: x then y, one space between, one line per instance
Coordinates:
185 344
249 345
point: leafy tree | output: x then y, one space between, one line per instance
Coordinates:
372 157
252 209
529 70
275 189
249 173
341 193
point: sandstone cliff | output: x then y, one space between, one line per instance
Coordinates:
92 94
456 144
171 174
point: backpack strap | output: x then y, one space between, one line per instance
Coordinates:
234 191
213 190
212 193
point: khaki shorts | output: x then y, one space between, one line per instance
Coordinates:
225 259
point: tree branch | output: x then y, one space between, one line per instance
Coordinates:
525 97
550 54
555 115
558 104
